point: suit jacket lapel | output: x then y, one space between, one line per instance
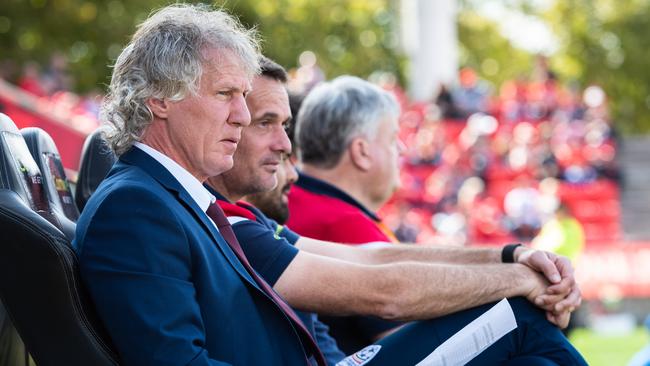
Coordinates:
152 167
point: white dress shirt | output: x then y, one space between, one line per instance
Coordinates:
197 191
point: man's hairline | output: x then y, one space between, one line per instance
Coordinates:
284 86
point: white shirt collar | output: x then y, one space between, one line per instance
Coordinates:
197 191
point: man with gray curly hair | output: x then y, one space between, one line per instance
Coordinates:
168 287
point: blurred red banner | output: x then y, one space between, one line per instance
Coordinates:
618 269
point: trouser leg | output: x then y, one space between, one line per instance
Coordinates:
534 337
530 361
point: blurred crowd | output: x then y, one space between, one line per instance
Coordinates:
481 166
488 167
52 85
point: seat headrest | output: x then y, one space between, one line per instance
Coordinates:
21 174
46 155
97 158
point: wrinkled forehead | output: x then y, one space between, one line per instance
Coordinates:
268 98
222 61
222 73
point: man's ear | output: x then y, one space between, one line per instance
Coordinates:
359 151
158 107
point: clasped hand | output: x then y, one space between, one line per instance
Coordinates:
560 295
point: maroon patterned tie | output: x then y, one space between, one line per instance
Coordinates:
217 215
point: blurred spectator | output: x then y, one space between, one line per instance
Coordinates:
30 80
56 77
429 142
445 102
542 93
471 95
407 229
449 223
522 208
562 234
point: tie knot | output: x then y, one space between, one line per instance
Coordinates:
217 215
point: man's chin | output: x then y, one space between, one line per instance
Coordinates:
223 165
267 185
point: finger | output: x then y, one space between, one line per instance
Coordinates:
564 266
544 264
551 317
571 302
548 302
541 303
563 287
562 319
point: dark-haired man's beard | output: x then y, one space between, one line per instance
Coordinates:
272 203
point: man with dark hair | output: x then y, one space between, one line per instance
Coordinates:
394 282
274 203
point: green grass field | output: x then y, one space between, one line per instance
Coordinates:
603 350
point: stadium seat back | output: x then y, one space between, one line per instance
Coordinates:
57 186
21 174
96 160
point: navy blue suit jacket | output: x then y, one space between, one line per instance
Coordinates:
167 286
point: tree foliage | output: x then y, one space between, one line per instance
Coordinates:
348 37
602 41
605 42
483 48
89 33
352 37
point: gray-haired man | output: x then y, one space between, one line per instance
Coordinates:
169 288
397 282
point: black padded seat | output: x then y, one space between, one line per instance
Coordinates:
48 159
97 158
21 174
40 289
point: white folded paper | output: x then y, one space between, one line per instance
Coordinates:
474 338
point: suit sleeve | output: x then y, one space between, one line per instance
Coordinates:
135 261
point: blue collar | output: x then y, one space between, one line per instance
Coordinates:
318 186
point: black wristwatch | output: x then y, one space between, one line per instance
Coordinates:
508 253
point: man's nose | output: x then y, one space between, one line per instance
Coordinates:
239 113
290 169
282 142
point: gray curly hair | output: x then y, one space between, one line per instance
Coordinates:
164 60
